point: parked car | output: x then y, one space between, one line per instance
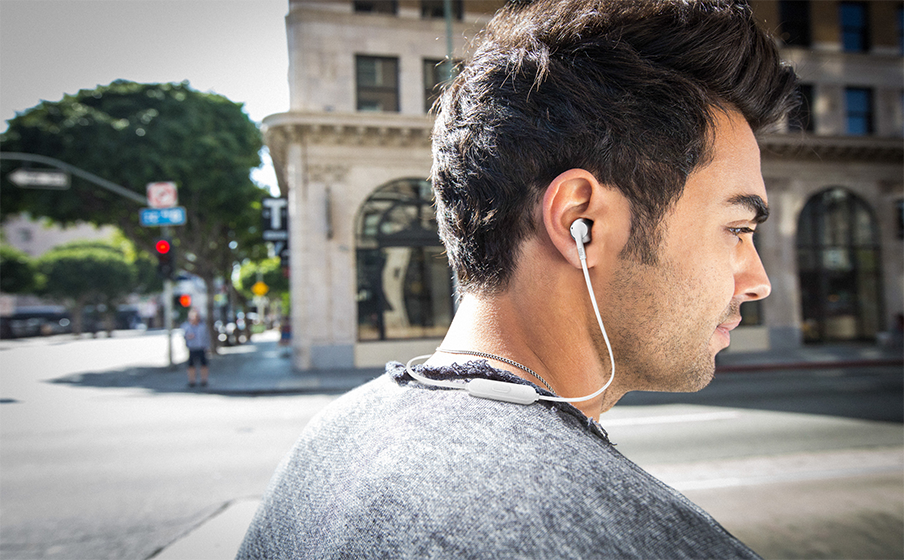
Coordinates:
232 333
43 320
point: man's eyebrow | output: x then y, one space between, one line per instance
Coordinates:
754 203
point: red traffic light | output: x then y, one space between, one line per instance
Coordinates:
162 246
166 257
185 300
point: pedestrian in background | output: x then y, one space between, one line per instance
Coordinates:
198 341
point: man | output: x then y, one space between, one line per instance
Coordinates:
634 120
197 339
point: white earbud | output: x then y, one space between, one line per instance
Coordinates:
524 394
580 231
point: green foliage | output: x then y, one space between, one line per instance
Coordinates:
18 271
270 273
146 279
145 266
133 134
86 271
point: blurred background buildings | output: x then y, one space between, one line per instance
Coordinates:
369 280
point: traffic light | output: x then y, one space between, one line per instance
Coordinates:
185 300
165 258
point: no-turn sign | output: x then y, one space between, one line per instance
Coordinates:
162 195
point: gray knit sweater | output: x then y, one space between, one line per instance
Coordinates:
396 469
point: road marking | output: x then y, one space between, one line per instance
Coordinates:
796 467
672 419
731 482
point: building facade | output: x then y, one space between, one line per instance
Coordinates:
369 281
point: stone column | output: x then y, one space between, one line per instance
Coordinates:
331 299
782 308
313 280
891 193
298 237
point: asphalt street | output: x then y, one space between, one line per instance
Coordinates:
120 472
107 454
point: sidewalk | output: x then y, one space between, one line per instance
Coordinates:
261 367
811 357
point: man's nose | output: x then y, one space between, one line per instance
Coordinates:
752 282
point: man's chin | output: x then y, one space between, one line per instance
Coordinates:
699 375
691 380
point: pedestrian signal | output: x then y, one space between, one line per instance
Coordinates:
165 258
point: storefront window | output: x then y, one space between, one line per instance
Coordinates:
838 262
404 280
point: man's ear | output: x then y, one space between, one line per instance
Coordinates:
577 194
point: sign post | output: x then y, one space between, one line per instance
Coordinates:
168 310
163 212
275 226
52 179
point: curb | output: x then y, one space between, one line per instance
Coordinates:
219 535
281 391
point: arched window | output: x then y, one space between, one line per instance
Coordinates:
838 260
404 279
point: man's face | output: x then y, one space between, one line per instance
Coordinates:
667 321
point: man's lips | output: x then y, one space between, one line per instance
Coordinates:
728 326
724 329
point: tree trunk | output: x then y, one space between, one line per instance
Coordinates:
214 340
110 320
78 309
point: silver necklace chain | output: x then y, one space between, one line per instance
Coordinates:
497 358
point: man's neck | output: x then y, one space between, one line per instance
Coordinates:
533 330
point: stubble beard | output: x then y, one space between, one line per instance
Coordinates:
654 341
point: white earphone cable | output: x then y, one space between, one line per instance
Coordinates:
510 392
599 320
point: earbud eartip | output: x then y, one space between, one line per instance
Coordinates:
580 230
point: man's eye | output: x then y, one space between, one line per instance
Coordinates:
739 231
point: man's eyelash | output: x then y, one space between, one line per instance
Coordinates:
741 230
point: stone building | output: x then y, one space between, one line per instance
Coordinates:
369 280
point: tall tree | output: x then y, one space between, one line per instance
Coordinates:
133 134
81 273
18 272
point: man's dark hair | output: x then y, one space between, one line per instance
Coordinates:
624 89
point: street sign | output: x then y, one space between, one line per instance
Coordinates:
260 288
40 178
150 217
162 195
281 250
275 218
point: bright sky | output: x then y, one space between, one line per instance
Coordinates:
236 48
